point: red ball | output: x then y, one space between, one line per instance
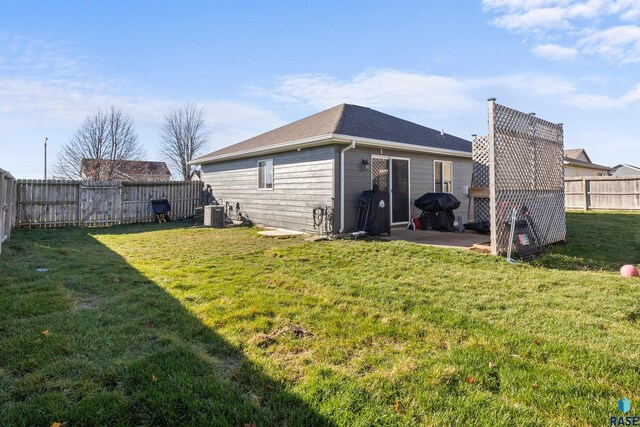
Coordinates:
629 271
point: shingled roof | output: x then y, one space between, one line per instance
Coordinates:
571 157
353 121
125 170
582 163
574 153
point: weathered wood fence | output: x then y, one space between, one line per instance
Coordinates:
602 193
7 205
57 203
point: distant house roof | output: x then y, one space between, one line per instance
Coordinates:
616 167
572 158
574 153
125 170
582 163
346 121
195 175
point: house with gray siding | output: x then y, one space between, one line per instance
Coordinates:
330 158
625 170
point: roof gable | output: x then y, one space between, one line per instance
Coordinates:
352 121
577 154
625 165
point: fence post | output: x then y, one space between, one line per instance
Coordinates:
121 188
18 206
585 193
14 206
79 205
2 210
12 200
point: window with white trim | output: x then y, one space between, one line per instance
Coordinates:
265 174
442 176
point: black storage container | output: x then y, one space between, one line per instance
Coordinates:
427 220
379 218
437 211
445 221
373 212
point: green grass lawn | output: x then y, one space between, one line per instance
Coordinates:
167 325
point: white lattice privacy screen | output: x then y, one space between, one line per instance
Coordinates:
480 176
526 174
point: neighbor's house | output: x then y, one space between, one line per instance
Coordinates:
124 170
195 174
578 163
332 157
625 170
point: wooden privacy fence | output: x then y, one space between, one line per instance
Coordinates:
57 203
603 192
7 205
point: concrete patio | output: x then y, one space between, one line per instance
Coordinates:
464 240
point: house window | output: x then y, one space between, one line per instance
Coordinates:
265 174
442 176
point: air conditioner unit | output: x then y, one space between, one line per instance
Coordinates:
214 216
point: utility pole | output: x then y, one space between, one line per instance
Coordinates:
45 157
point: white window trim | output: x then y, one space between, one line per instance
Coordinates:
434 173
390 158
258 175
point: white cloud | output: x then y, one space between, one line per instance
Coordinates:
64 105
569 9
44 90
433 95
384 89
555 52
31 57
534 20
592 102
591 27
586 10
632 97
619 44
629 10
517 5
535 84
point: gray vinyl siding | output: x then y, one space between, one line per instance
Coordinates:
625 171
421 178
301 180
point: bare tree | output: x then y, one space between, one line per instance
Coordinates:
183 137
97 150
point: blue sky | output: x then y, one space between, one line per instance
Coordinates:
255 65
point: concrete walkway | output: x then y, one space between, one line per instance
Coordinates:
279 232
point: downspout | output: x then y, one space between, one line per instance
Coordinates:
350 147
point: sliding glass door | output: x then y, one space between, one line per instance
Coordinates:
399 190
391 174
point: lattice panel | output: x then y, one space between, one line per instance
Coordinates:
480 149
526 174
480 176
481 209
